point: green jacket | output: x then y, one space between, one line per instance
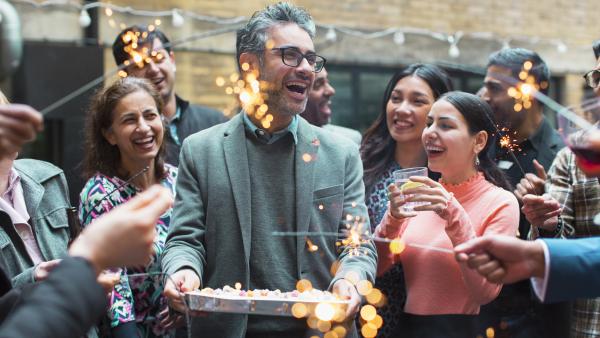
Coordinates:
46 197
210 232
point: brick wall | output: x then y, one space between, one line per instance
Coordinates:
200 62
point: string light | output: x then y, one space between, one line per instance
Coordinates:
84 18
331 35
399 38
178 16
177 19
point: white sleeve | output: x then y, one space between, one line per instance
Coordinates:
541 284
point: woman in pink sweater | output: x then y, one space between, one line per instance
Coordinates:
470 200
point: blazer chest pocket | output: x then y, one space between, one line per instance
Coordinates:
53 230
328 205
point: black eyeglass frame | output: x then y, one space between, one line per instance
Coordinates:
589 79
318 63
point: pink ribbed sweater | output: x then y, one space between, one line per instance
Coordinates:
436 283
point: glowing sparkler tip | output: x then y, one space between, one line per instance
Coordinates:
324 311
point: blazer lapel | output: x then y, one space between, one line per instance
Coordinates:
236 159
306 156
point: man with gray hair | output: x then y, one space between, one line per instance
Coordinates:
267 171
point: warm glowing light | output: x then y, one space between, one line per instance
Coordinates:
266 124
238 286
527 65
137 58
263 108
304 285
311 246
369 330
397 246
354 204
368 312
108 11
518 107
151 28
324 311
340 330
364 287
526 89
523 75
234 77
324 325
377 321
157 22
331 334
220 81
312 322
112 23
512 91
299 310
229 91
489 332
375 297
321 207
306 158
245 66
122 73
244 97
270 44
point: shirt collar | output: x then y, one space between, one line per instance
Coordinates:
541 136
13 200
268 138
13 180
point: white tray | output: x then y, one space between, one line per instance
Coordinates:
248 305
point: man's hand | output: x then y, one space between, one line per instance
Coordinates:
346 291
42 270
541 211
19 124
503 259
181 281
125 235
532 184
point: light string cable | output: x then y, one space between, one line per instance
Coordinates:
116 69
398 33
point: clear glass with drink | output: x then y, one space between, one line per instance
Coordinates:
401 177
578 126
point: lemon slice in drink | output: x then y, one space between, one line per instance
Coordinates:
410 185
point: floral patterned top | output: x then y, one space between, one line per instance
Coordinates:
377 200
136 298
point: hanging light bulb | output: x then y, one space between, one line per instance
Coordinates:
176 18
84 18
453 51
399 38
331 35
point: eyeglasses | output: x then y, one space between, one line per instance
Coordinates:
592 78
292 57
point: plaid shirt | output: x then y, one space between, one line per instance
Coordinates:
580 199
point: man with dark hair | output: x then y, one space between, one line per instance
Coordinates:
264 172
529 146
148 54
318 108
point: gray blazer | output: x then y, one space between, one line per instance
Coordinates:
46 196
210 232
